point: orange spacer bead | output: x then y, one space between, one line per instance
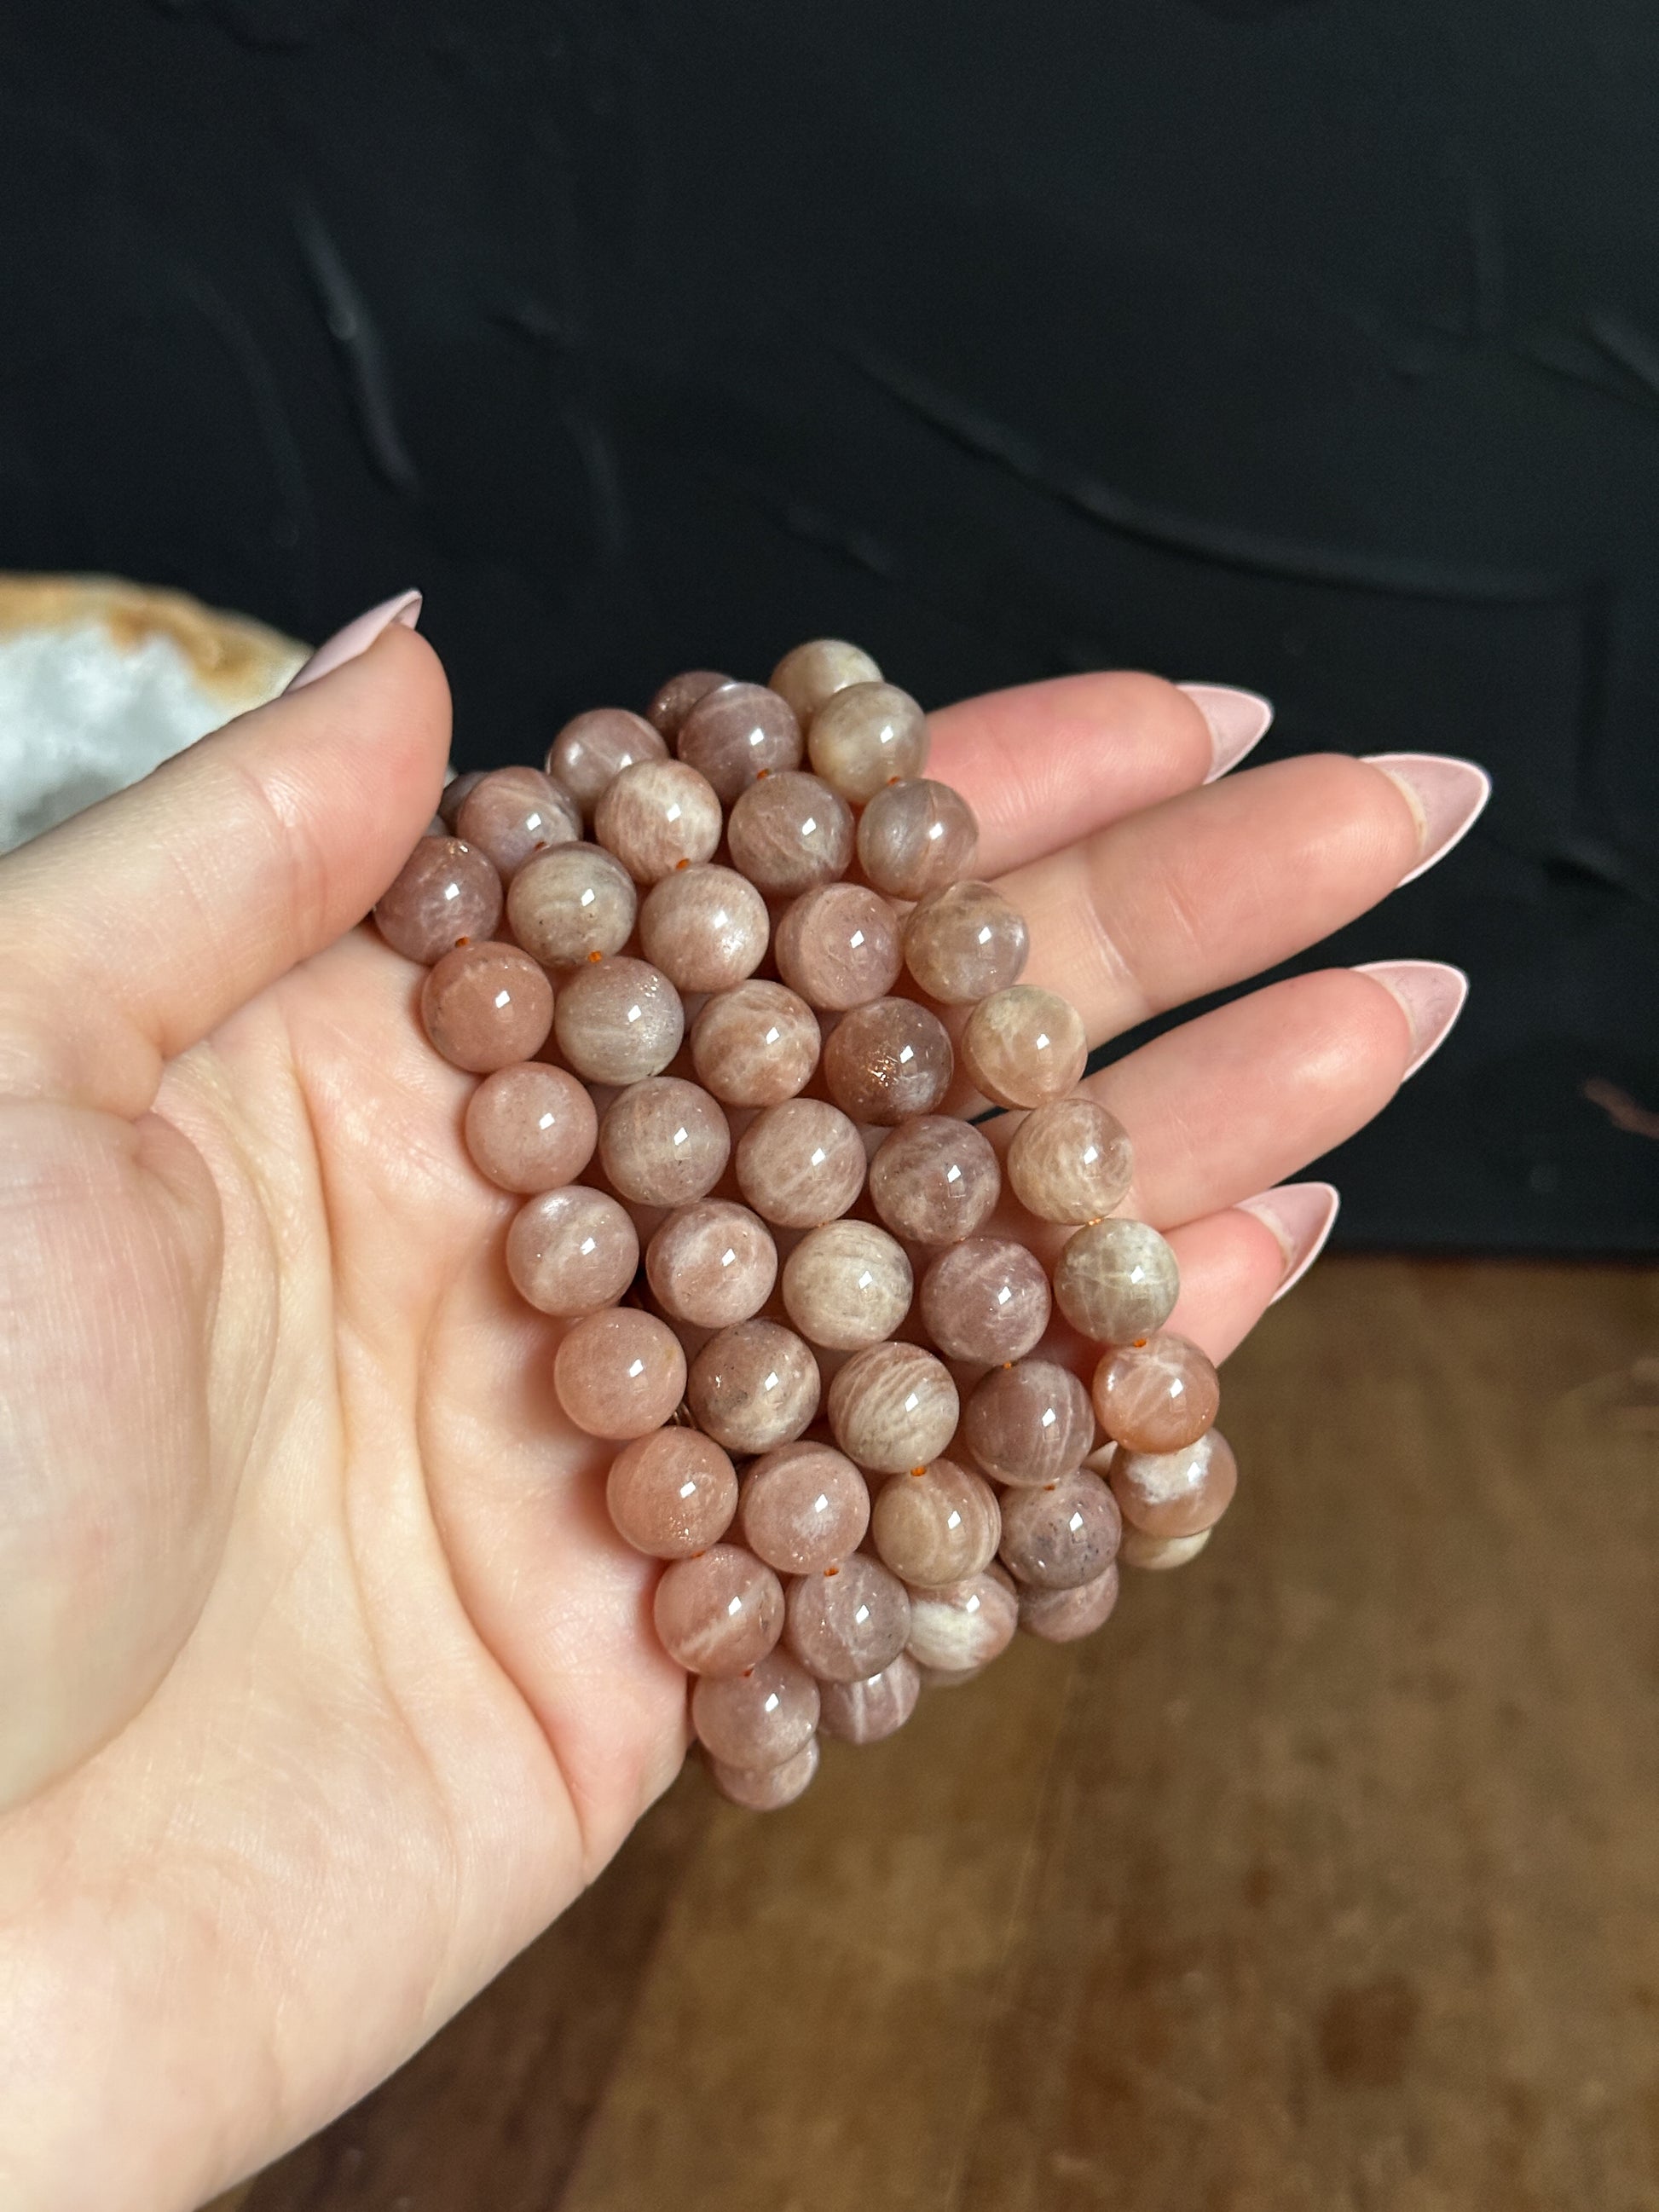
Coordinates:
596 956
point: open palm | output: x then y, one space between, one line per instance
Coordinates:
323 1681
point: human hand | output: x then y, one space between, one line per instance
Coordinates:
328 1683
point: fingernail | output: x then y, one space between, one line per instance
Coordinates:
1238 721
357 636
1446 795
1431 992
1301 1216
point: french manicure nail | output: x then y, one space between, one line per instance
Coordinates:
1301 1216
357 636
1431 993
1238 721
1445 794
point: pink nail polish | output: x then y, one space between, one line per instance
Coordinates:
1446 795
357 636
1238 721
1431 993
1301 1216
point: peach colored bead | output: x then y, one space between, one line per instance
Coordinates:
1060 1616
963 943
789 833
446 894
705 927
753 1386
1024 1047
619 1373
936 1524
530 1129
671 1493
767 1789
893 1408
720 1612
674 700
739 732
986 1300
963 1624
759 1718
664 1142
1158 1396
593 749
847 1285
1157 1553
1030 1423
1116 1280
935 1180
838 946
1063 1533
872 1708
804 1507
513 812
850 1621
755 1045
454 792
1178 1494
571 1251
811 673
916 837
800 1164
1071 1161
712 1264
570 902
619 1021
484 1007
864 735
888 1062
655 815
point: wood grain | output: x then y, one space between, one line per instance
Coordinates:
1324 1880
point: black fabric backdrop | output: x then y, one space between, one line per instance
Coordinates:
1307 346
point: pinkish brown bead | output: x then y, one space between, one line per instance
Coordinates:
674 700
838 946
619 1021
655 815
720 1612
986 1300
530 1129
664 1142
888 1062
737 732
789 833
1060 1616
454 792
571 1251
847 1285
811 673
936 1524
592 751
963 1625
850 1621
1178 1493
1062 1534
864 736
1156 1554
1030 1423
965 942
759 1718
1024 1047
1116 1280
705 927
484 1007
804 1507
800 1164
916 837
513 812
1071 1161
446 894
671 1493
1158 1396
935 1180
712 1264
872 1708
755 1045
570 902
767 1789
753 1386
619 1373
893 1408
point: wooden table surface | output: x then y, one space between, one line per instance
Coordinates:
1325 1879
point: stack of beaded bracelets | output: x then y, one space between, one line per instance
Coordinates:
731 1003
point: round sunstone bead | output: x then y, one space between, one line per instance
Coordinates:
530 1128
804 1507
671 1493
755 1046
965 942
447 893
485 1006
619 1021
656 815
893 1408
1024 1047
963 1625
571 1251
847 1622
865 735
1030 1423
513 812
1116 1280
888 1062
719 1611
737 732
1071 1161
1060 1616
592 751
754 1386
619 1373
800 1164
986 1300
838 946
706 928
1158 1396
664 1142
712 1264
847 1285
1063 1533
916 837
935 1180
811 673
571 902
876 1706
766 1788
759 1718
936 1524
1178 1494
674 700
789 833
